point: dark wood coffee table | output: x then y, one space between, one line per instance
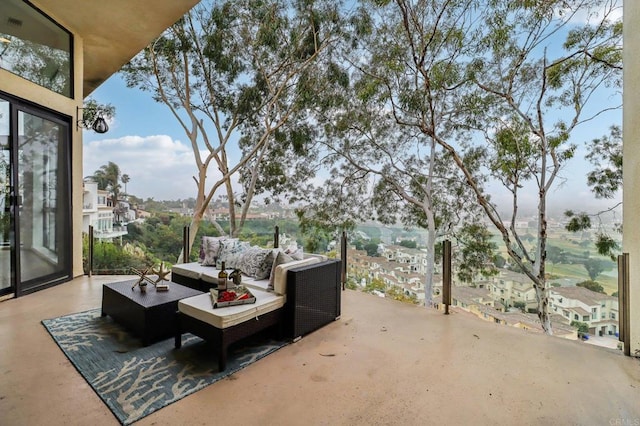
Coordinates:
149 314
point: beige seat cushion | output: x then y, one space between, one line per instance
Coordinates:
209 274
192 270
280 280
201 308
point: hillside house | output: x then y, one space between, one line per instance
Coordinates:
480 303
414 259
98 211
509 287
599 311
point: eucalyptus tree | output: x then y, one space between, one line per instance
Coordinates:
381 172
382 168
499 87
229 72
539 91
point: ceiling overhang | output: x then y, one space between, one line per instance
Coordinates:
113 31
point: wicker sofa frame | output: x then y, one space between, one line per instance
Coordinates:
221 339
313 300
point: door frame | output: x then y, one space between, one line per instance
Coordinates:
18 287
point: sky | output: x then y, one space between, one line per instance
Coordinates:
145 141
148 144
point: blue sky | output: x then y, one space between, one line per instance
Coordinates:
145 140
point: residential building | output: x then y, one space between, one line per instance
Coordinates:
222 214
414 259
182 211
125 212
83 44
218 214
392 273
480 303
465 297
512 289
599 311
98 212
142 214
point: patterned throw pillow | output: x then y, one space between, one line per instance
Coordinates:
210 250
257 262
294 251
280 258
231 252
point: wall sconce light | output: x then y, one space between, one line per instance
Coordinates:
97 123
100 125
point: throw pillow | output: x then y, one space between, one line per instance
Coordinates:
294 251
280 258
231 251
210 250
257 262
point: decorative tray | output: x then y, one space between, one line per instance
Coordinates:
238 295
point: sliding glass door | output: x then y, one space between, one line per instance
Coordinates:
37 204
5 213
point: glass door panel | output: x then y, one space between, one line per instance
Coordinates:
43 201
5 201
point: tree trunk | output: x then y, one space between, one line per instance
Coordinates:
431 248
431 226
542 292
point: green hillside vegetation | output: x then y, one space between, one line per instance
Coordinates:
577 249
159 239
372 231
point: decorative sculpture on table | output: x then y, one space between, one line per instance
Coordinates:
158 283
236 277
162 277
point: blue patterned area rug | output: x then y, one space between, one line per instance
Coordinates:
133 380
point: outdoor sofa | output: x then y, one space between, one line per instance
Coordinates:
297 297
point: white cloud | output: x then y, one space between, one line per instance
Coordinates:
612 9
158 166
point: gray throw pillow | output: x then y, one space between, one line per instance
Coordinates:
256 262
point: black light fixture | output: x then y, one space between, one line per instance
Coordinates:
97 123
100 125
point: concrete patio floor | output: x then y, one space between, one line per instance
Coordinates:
382 363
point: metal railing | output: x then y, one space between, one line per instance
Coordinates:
446 275
95 239
623 302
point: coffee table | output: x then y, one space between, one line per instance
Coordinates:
151 315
